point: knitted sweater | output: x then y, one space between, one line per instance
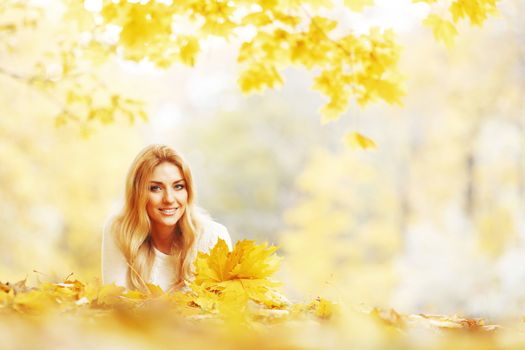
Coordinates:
114 265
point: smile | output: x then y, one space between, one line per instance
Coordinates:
168 211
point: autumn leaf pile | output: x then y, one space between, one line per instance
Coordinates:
223 280
231 303
233 279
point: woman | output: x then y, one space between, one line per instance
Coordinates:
156 237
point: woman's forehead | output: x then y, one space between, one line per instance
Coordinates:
166 172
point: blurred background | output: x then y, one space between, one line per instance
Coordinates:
431 221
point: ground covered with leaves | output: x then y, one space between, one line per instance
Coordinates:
232 304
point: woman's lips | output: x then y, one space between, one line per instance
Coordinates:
168 211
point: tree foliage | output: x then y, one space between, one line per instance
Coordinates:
274 35
284 34
46 48
271 36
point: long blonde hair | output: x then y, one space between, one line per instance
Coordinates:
131 228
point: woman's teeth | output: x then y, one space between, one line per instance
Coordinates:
168 211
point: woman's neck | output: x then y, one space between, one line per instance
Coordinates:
162 238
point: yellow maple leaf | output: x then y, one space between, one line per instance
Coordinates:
33 302
229 279
211 267
443 30
319 307
6 298
477 11
259 76
356 140
61 291
252 261
247 260
257 18
189 48
109 294
154 290
323 308
135 295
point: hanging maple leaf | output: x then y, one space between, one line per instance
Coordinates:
356 140
443 30
231 279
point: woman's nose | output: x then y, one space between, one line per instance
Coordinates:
169 196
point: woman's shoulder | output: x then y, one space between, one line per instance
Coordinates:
212 227
210 234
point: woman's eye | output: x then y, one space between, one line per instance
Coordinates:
179 187
154 188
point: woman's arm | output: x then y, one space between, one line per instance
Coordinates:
211 234
225 235
114 265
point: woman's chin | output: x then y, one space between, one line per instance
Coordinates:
168 221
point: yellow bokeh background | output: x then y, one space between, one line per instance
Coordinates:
431 221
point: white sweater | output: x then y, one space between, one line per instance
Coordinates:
114 265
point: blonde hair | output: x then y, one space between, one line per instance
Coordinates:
131 228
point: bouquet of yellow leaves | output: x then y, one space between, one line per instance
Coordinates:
231 280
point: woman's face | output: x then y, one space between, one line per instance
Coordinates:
167 195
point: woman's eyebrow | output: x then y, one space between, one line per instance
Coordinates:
159 182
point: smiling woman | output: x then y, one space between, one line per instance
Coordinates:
157 235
